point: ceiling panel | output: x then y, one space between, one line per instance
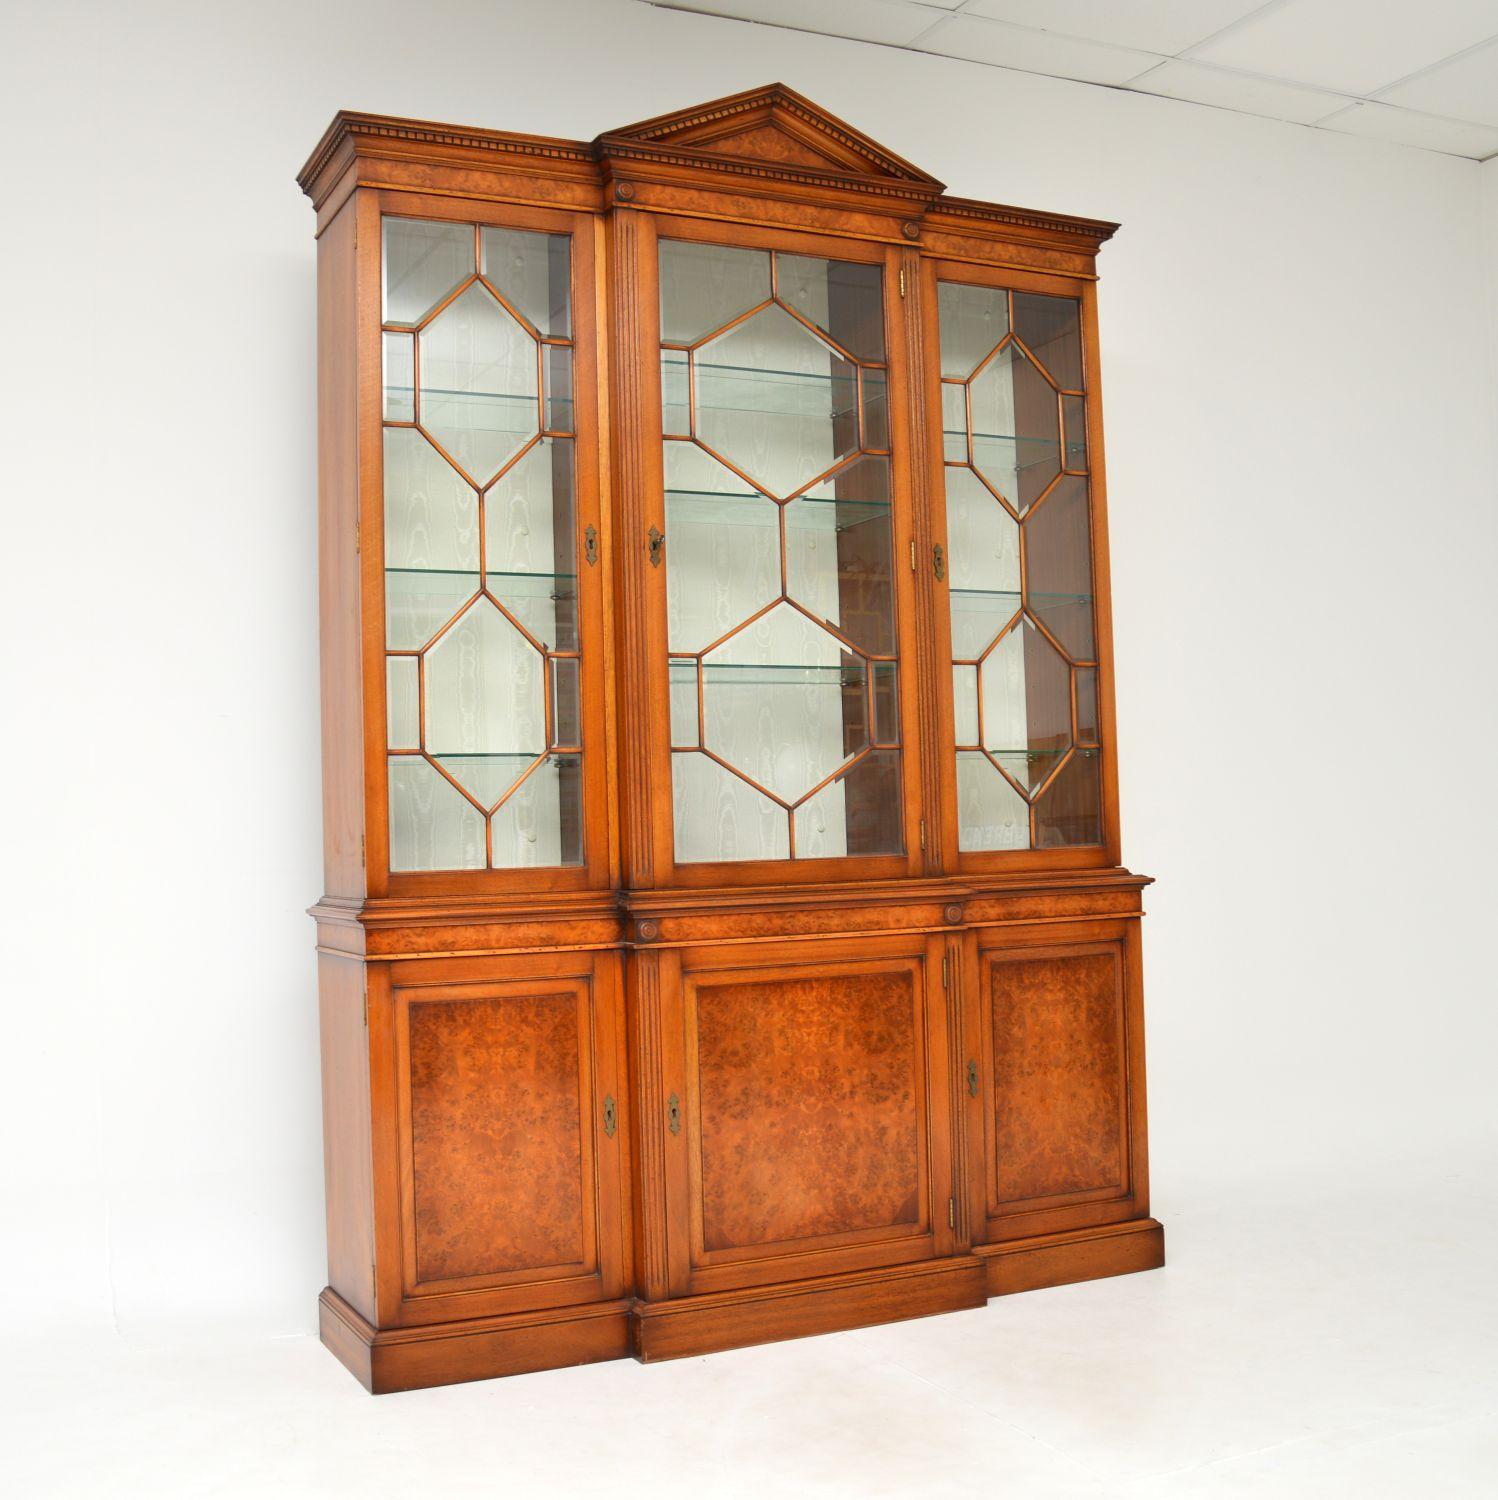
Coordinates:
889 21
1384 122
1352 46
1466 87
1035 51
1166 26
1239 91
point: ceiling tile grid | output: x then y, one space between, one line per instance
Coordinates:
1420 73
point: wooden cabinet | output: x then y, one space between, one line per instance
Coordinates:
725 936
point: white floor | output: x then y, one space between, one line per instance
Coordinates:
1313 1339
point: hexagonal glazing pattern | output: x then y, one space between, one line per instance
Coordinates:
1024 668
783 664
483 686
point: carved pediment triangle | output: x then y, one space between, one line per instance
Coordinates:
769 125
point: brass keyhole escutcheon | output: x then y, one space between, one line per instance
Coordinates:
610 1117
972 1078
939 562
657 543
590 545
673 1115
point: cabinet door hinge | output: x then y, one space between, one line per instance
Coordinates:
946 971
951 1213
923 833
912 554
356 534
902 281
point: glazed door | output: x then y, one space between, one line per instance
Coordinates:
506 1134
480 551
807 1110
1055 1078
1027 691
777 670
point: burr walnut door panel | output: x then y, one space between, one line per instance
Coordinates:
813 1108
1054 1084
509 1138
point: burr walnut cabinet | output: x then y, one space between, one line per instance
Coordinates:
725 936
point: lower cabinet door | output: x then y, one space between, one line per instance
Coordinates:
1055 1028
809 1110
508 1143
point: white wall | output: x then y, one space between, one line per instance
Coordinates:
1299 382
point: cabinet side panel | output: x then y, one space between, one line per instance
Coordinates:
338 560
1058 1071
347 1163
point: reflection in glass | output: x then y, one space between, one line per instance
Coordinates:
433 826
496 778
779 578
531 272
705 286
423 262
1024 683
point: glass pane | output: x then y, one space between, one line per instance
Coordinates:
1087 720
783 703
775 401
478 383
886 703
1016 428
1074 415
529 513
420 601
722 552
675 409
845 299
566 703
965 704
432 825
531 272
838 554
1058 558
1026 690
978 615
954 423
1069 811
1052 330
990 813
402 703
424 261
683 676
875 410
972 321
556 363
718 816
859 813
485 697
982 537
540 822
400 378
431 511
705 286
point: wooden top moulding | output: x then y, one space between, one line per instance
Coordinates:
730 158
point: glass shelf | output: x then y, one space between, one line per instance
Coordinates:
784 674
973 598
782 392
519 585
750 508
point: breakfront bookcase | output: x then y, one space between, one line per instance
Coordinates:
725 936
